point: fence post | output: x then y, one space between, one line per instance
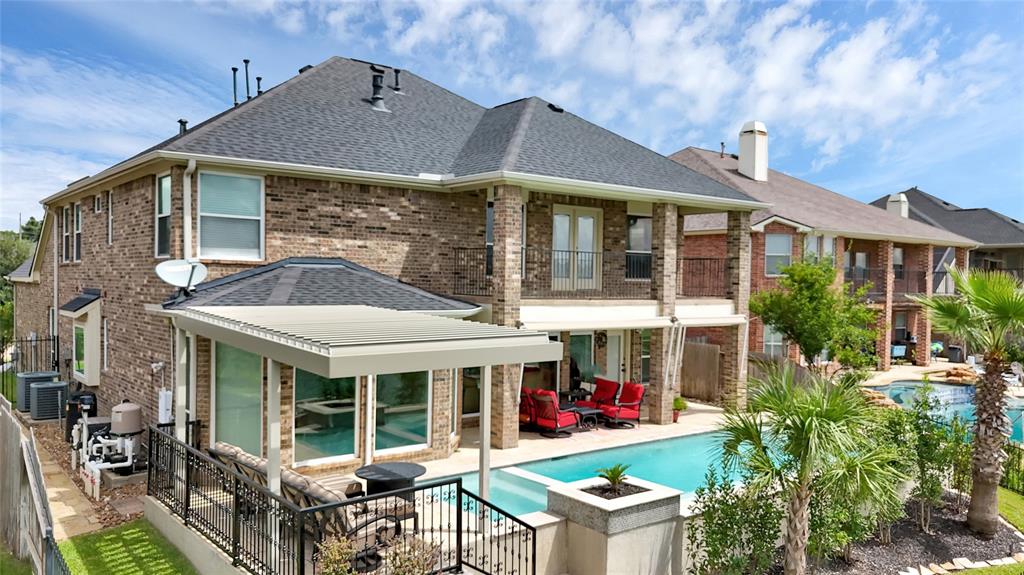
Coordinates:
188 483
235 520
300 544
458 524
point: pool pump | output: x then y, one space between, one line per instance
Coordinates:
106 443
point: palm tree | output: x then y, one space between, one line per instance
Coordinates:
988 307
790 434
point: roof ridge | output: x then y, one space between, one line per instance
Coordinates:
518 135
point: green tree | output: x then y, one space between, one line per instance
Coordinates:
30 229
810 310
13 251
790 434
932 454
987 309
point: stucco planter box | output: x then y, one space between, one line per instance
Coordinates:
637 533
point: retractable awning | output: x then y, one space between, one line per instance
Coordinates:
350 340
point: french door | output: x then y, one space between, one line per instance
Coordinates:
575 248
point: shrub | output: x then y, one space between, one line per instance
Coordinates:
679 404
614 475
933 455
737 529
336 556
412 556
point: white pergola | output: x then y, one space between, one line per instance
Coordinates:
346 341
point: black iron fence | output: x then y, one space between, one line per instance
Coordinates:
434 527
26 354
193 431
702 277
904 281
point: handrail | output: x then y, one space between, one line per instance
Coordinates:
494 507
376 497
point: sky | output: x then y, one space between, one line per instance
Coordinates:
864 98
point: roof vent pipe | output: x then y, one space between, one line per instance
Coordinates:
234 83
722 153
246 62
182 126
377 99
259 89
398 83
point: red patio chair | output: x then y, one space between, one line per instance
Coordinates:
552 420
605 391
627 409
527 409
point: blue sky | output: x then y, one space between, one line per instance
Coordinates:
863 98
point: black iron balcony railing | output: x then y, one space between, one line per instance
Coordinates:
573 274
445 528
904 281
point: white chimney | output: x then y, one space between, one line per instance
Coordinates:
898 204
754 151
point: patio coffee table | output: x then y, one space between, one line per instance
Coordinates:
384 477
588 416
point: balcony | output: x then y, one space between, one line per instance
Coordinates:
568 274
905 282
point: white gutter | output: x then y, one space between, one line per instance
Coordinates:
427 181
186 192
962 243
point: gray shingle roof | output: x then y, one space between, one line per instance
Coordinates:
86 297
985 226
25 269
805 203
316 281
322 118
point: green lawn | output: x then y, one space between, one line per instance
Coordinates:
1011 507
11 566
134 548
1000 570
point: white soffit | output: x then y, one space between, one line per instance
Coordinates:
636 316
343 341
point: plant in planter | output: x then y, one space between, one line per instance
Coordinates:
678 406
617 486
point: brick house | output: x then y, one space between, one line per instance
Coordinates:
869 245
334 190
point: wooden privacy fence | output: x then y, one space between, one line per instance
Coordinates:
700 371
26 524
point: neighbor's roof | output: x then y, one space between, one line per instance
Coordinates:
807 204
348 340
317 281
985 226
322 119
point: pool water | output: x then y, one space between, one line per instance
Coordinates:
680 463
956 400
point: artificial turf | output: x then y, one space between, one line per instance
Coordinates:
135 548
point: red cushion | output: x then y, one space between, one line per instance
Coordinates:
605 390
586 403
614 411
631 393
565 419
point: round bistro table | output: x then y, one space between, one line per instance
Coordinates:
384 477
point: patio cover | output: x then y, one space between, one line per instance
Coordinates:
350 340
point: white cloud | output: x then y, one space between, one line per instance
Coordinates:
28 175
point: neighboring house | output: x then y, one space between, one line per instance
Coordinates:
1000 238
869 245
334 190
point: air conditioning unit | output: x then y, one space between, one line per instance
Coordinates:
27 378
48 398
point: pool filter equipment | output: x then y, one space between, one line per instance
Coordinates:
110 446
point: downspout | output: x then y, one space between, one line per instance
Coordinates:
56 253
186 208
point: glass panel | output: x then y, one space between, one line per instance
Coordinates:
774 264
561 261
163 235
645 355
811 246
639 238
229 237
586 247
80 349
229 195
470 390
489 226
861 260
78 217
778 244
581 352
239 408
401 409
163 196
325 416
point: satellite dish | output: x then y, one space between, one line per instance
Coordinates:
181 273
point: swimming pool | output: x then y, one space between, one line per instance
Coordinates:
680 463
956 400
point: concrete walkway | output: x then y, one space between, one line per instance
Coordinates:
73 514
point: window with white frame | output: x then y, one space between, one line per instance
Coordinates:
638 247
162 225
828 247
812 247
230 216
97 203
645 356
899 326
110 217
897 263
65 221
774 343
78 349
778 253
78 232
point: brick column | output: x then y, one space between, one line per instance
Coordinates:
837 259
441 420
664 262
734 368
506 288
636 367
565 369
961 258
923 323
883 345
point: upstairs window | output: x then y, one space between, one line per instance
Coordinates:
163 216
778 253
78 232
97 203
230 217
65 221
638 247
897 263
110 217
